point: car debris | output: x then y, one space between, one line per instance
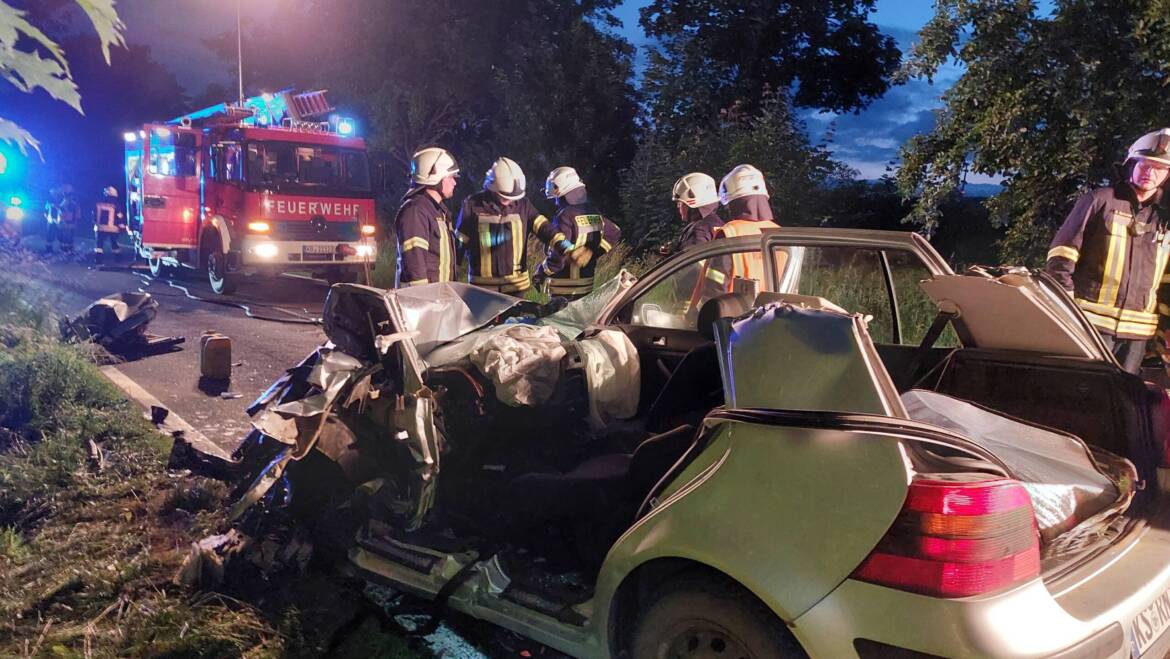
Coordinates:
118 323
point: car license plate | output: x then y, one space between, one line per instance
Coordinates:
317 252
1150 624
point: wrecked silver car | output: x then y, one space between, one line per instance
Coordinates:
864 453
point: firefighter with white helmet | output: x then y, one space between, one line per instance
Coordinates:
1111 252
697 199
582 235
108 223
426 240
494 225
745 195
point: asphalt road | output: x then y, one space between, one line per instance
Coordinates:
261 349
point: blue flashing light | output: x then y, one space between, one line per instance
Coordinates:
345 127
15 201
3 164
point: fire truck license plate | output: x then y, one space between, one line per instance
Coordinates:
317 252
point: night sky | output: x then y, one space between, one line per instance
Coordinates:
867 141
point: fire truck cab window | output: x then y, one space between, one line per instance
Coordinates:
288 166
228 162
171 153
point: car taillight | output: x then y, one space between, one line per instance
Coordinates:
957 539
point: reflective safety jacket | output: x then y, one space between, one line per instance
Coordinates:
426 241
745 265
1111 253
583 227
107 219
495 240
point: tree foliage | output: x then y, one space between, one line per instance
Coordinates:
714 54
544 82
30 59
801 177
1048 101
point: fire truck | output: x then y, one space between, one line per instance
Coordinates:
277 184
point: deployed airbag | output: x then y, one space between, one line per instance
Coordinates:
523 362
1062 476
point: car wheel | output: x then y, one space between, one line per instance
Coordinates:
222 283
707 617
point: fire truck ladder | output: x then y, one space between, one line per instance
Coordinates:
308 105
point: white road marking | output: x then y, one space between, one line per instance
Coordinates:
173 422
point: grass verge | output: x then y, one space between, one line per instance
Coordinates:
93 528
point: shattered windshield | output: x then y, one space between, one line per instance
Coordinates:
292 167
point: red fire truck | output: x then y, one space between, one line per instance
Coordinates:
278 184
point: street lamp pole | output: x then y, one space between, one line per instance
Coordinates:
240 53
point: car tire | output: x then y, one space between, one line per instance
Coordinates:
706 616
222 282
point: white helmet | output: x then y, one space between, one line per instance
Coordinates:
561 181
432 165
1152 146
695 189
505 178
742 181
110 191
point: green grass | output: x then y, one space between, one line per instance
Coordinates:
87 553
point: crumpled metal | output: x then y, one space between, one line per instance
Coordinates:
331 372
437 313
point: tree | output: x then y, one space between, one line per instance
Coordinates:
713 54
1047 101
801 177
544 82
40 63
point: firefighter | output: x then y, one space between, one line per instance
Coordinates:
426 241
52 218
696 199
745 195
493 226
1111 251
582 236
68 217
108 222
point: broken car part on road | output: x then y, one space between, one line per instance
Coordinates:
118 323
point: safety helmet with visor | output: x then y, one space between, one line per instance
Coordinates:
431 165
742 181
562 181
695 190
506 179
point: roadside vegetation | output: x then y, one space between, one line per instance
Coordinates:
93 528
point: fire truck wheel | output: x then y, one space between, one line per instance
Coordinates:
222 283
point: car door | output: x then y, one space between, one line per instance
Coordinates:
660 313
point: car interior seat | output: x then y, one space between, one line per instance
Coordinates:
695 386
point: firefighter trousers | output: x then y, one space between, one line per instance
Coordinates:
1129 352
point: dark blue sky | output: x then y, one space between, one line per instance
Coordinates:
867 141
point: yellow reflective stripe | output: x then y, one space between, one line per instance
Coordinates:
716 276
518 244
444 252
605 246
1114 264
1139 329
1064 252
1121 326
1107 311
485 250
1163 256
416 282
558 237
415 243
493 281
540 221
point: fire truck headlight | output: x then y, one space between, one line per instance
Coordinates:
265 250
364 251
14 214
259 227
368 229
130 136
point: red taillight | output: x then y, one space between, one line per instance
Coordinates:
957 539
